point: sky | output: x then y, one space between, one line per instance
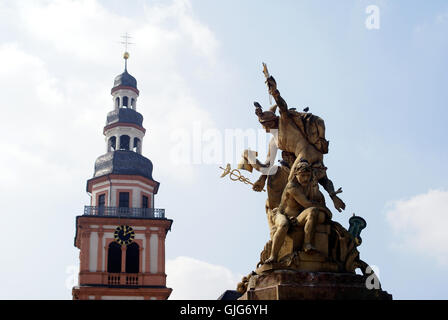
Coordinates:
379 82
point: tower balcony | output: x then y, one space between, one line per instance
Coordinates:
146 213
122 279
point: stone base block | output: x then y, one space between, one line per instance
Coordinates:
295 285
312 262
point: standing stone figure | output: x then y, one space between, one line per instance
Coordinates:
302 134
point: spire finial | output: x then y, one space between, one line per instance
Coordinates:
126 57
126 42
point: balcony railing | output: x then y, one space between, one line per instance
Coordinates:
150 213
128 279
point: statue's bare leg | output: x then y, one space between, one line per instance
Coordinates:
281 225
309 218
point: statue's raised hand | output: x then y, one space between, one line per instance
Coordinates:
272 85
258 109
338 203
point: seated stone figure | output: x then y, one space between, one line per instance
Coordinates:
302 205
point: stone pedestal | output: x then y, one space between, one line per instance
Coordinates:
304 285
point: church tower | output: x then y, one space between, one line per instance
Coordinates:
121 235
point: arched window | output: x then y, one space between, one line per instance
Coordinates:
132 258
112 144
101 204
133 103
124 142
125 101
136 145
123 200
117 102
114 258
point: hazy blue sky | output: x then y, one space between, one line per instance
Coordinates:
382 93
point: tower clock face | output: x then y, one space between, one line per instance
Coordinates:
124 235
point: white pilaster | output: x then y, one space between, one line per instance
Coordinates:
93 251
153 251
131 142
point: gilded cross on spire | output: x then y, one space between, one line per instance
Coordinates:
126 42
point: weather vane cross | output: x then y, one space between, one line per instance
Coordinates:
126 42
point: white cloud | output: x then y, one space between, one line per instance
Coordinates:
441 18
420 224
193 279
28 120
70 105
178 17
79 28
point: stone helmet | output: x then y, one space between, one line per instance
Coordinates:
265 116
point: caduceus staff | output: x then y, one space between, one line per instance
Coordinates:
235 175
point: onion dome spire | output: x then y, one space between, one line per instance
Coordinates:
125 79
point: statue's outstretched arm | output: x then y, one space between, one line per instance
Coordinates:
327 184
249 157
260 183
273 91
258 165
